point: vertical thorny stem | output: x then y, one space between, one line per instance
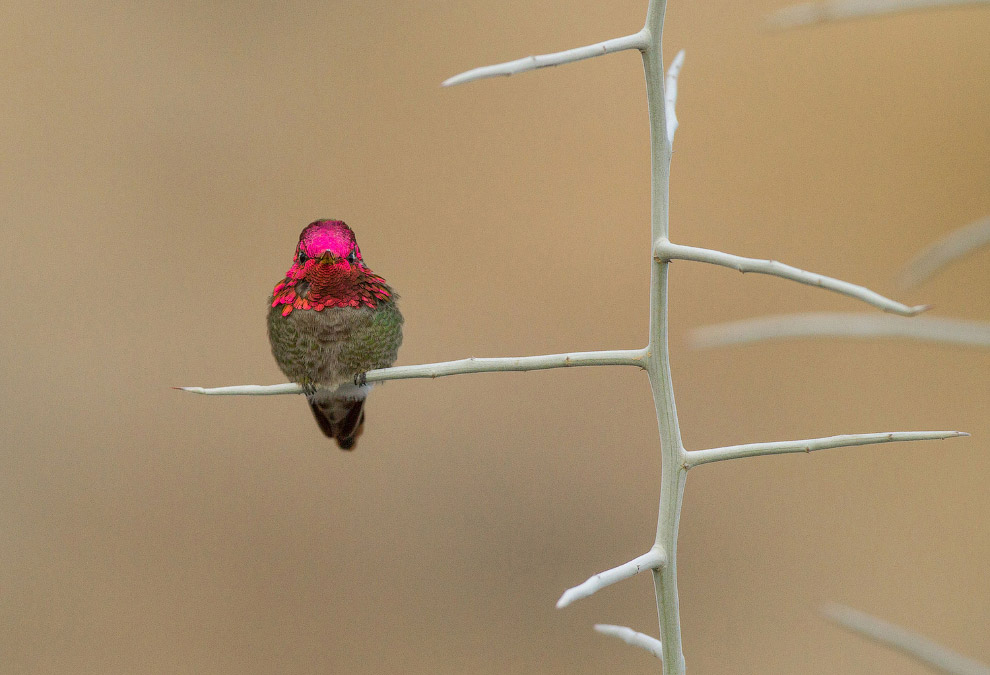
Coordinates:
672 467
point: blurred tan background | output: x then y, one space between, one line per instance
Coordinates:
158 163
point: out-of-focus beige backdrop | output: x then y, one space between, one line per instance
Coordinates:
158 163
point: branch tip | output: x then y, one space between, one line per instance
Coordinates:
670 95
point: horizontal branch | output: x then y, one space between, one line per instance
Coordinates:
246 390
811 13
696 457
954 245
665 250
652 559
913 644
837 324
618 357
638 41
631 637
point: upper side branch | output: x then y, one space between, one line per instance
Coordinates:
665 250
696 457
618 357
917 646
638 41
810 13
840 324
954 245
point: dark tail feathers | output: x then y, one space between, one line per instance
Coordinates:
340 419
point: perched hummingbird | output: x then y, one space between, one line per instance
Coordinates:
331 319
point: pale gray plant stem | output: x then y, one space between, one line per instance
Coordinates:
913 644
673 474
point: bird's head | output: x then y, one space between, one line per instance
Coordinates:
328 271
326 246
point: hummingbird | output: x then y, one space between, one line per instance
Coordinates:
331 319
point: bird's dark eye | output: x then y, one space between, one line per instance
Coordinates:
352 257
302 257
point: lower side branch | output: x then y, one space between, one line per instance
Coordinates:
631 637
696 457
650 560
914 645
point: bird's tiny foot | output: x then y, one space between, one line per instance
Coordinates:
361 379
309 389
